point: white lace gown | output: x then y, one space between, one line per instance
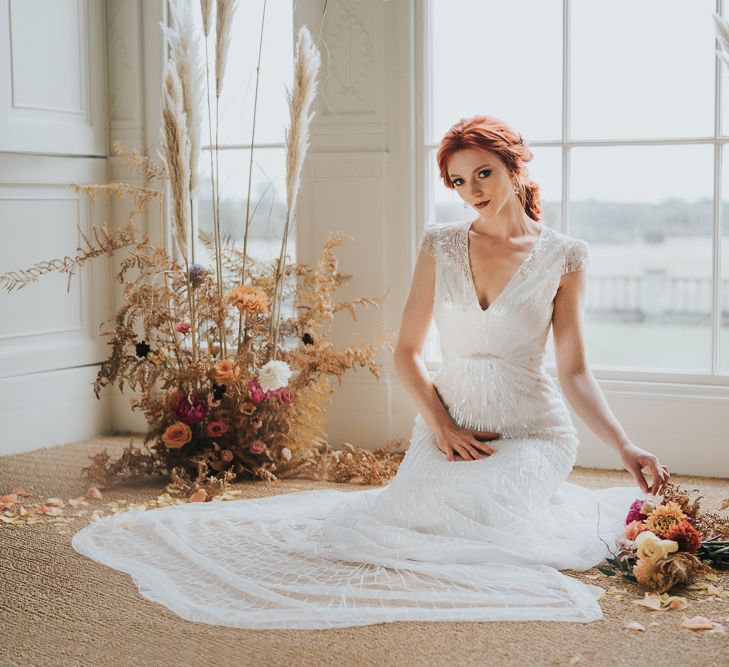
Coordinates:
481 540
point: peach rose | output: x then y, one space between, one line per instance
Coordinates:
635 528
224 371
177 435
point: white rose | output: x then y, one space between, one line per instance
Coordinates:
274 375
652 549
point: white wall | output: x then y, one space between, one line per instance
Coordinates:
53 132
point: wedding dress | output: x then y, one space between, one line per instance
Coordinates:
445 540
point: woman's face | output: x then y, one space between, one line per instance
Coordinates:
479 176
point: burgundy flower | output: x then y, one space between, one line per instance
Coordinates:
183 327
190 410
635 514
257 393
285 396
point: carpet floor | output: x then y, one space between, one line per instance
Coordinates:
60 608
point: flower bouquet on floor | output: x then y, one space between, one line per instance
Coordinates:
669 543
230 361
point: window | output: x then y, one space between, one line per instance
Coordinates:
268 183
623 118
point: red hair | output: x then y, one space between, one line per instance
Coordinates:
492 134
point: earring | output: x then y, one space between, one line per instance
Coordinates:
465 204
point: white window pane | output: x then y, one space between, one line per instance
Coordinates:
646 213
501 59
239 83
268 200
642 69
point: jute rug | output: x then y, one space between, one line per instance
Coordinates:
60 608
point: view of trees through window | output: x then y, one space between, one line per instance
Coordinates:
635 135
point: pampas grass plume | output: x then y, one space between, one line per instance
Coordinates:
225 9
306 69
176 146
206 9
184 49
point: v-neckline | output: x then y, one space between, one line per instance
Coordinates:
520 268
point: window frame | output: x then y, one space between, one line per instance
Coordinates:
423 204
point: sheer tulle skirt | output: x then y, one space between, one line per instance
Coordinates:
443 541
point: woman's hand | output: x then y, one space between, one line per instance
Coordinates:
464 441
636 460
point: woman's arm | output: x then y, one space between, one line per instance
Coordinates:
412 372
582 390
409 364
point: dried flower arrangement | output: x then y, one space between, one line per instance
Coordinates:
669 543
230 385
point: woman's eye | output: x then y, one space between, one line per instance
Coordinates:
483 171
457 181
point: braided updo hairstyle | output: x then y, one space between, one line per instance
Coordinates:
491 134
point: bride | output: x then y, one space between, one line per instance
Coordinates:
479 520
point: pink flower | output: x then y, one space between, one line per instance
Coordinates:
635 514
285 396
216 429
183 327
257 393
190 410
226 455
257 447
286 454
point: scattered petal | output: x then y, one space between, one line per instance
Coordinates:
575 659
634 625
677 603
10 498
93 493
699 623
199 496
650 601
20 491
55 502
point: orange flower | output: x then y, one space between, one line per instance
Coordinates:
224 371
664 517
687 537
177 435
248 299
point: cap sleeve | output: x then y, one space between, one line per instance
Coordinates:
576 256
428 239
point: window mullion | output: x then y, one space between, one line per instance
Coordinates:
566 150
716 213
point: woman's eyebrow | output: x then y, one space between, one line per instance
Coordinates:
452 176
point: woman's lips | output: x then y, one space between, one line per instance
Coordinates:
481 205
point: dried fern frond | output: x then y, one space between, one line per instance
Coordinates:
102 242
143 165
142 195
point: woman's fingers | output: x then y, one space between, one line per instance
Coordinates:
483 446
467 452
